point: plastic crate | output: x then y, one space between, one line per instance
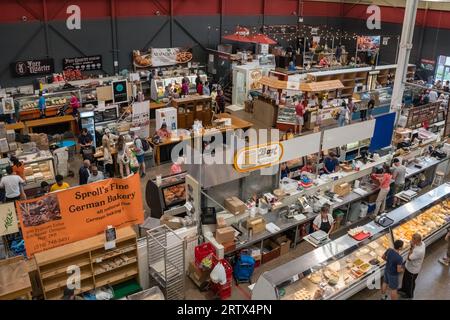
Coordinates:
202 251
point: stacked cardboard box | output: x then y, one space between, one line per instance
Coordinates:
224 235
284 243
235 205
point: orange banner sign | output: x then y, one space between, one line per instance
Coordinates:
78 213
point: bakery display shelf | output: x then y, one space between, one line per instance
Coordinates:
342 267
54 270
116 276
61 281
99 270
97 258
58 293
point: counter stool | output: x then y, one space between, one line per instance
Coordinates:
438 179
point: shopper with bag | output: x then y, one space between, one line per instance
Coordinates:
140 146
123 157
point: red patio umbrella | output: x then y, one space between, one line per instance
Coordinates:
262 39
241 35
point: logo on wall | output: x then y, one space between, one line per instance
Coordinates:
32 67
83 63
73 21
374 20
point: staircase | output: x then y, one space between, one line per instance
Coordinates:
226 84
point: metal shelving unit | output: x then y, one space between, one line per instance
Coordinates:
166 261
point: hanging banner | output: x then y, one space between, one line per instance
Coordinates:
78 213
8 219
141 118
258 157
32 67
120 91
83 63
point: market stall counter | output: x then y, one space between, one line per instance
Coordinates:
67 119
343 267
236 123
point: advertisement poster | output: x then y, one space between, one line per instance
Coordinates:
8 219
159 57
315 41
120 91
83 63
368 43
8 105
32 67
78 213
141 118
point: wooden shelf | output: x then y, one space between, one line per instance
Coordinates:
116 275
60 282
112 254
99 271
63 269
52 264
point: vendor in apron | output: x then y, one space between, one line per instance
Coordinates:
324 221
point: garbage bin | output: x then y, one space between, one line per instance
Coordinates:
364 210
355 210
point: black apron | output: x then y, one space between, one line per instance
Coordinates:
325 226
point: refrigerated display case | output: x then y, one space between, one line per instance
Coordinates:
286 115
169 194
87 120
38 167
29 104
345 266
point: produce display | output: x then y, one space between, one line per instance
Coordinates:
327 280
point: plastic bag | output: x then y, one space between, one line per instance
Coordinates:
218 274
134 164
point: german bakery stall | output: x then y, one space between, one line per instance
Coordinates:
87 230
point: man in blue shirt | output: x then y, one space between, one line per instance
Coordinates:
330 163
394 266
41 104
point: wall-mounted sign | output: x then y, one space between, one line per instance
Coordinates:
32 67
120 91
258 157
427 64
83 63
368 43
8 105
158 57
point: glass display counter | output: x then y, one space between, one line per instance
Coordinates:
345 266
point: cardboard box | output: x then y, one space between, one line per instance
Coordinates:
235 205
342 189
10 135
229 246
257 224
172 222
284 243
271 251
225 235
197 274
4 147
346 168
221 223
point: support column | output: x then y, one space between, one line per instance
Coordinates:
171 23
403 54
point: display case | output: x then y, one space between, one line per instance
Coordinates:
346 266
39 167
88 96
167 195
354 150
286 115
158 85
29 104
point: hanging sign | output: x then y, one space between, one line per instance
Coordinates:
83 63
66 216
8 105
8 219
141 118
32 67
258 157
120 91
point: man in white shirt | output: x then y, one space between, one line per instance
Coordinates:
413 266
433 96
95 175
13 185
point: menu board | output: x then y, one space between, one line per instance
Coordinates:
120 93
83 63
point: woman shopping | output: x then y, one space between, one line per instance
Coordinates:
383 176
123 157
